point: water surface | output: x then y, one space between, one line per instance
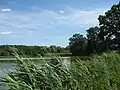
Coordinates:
3 67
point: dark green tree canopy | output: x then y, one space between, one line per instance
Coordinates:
92 33
99 39
77 44
93 39
110 27
77 39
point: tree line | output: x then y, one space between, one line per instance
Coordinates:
32 51
105 37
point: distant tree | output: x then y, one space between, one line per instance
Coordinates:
30 51
53 49
77 44
110 27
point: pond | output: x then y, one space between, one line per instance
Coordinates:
9 66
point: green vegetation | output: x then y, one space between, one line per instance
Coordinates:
99 39
32 51
100 72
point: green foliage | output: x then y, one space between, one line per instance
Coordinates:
103 38
30 51
93 40
110 27
100 72
77 44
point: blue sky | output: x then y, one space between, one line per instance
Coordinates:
48 22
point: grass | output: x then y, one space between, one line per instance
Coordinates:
100 72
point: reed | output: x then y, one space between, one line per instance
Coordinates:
101 72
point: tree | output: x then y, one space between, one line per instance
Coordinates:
93 40
53 49
110 27
77 44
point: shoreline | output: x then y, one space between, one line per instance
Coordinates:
29 58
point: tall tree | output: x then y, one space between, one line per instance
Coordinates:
93 40
77 44
110 27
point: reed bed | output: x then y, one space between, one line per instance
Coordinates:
101 72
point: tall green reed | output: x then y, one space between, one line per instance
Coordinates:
101 72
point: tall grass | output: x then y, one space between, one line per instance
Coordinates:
101 72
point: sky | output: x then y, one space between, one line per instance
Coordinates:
48 22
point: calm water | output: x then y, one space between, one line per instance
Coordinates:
9 66
3 67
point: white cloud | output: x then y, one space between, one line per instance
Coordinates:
88 17
31 27
49 19
61 11
5 33
6 10
48 23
